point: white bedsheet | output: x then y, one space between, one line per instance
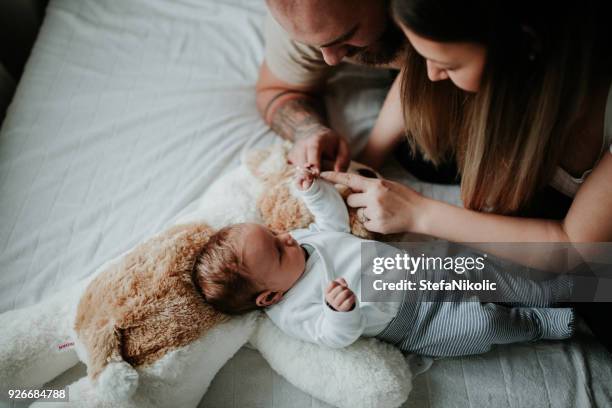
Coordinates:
127 111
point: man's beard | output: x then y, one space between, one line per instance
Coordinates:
384 51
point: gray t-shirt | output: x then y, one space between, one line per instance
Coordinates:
297 63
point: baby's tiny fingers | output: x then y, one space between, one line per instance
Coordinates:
331 286
348 304
341 282
335 292
343 295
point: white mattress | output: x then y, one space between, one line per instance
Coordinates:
127 111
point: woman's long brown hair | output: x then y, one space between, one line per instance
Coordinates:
508 137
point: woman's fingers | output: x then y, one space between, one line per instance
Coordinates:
354 181
357 200
372 226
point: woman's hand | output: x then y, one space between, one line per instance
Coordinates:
384 206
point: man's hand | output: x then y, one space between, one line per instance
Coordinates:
321 143
339 297
297 113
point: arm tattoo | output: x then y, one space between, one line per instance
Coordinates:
297 119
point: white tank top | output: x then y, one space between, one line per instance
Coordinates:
562 181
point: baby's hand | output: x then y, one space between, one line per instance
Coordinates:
339 297
304 176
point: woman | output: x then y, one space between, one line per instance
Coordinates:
521 97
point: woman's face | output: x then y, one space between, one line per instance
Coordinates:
461 62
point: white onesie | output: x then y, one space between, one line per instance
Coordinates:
434 328
303 312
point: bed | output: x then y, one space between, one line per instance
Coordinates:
128 110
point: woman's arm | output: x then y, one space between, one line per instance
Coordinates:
388 129
393 207
589 219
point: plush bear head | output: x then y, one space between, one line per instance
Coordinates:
144 306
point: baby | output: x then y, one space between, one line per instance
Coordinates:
307 281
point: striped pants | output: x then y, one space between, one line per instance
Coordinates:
456 328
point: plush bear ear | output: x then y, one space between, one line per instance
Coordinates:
265 163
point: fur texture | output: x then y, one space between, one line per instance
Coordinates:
280 210
146 305
367 374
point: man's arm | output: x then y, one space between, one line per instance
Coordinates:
298 107
296 114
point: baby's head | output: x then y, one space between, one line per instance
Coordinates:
247 266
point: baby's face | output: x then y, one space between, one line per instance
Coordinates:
274 261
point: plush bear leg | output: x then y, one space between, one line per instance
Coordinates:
181 377
37 343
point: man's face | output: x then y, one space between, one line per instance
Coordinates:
360 30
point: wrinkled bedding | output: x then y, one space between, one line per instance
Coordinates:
128 110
